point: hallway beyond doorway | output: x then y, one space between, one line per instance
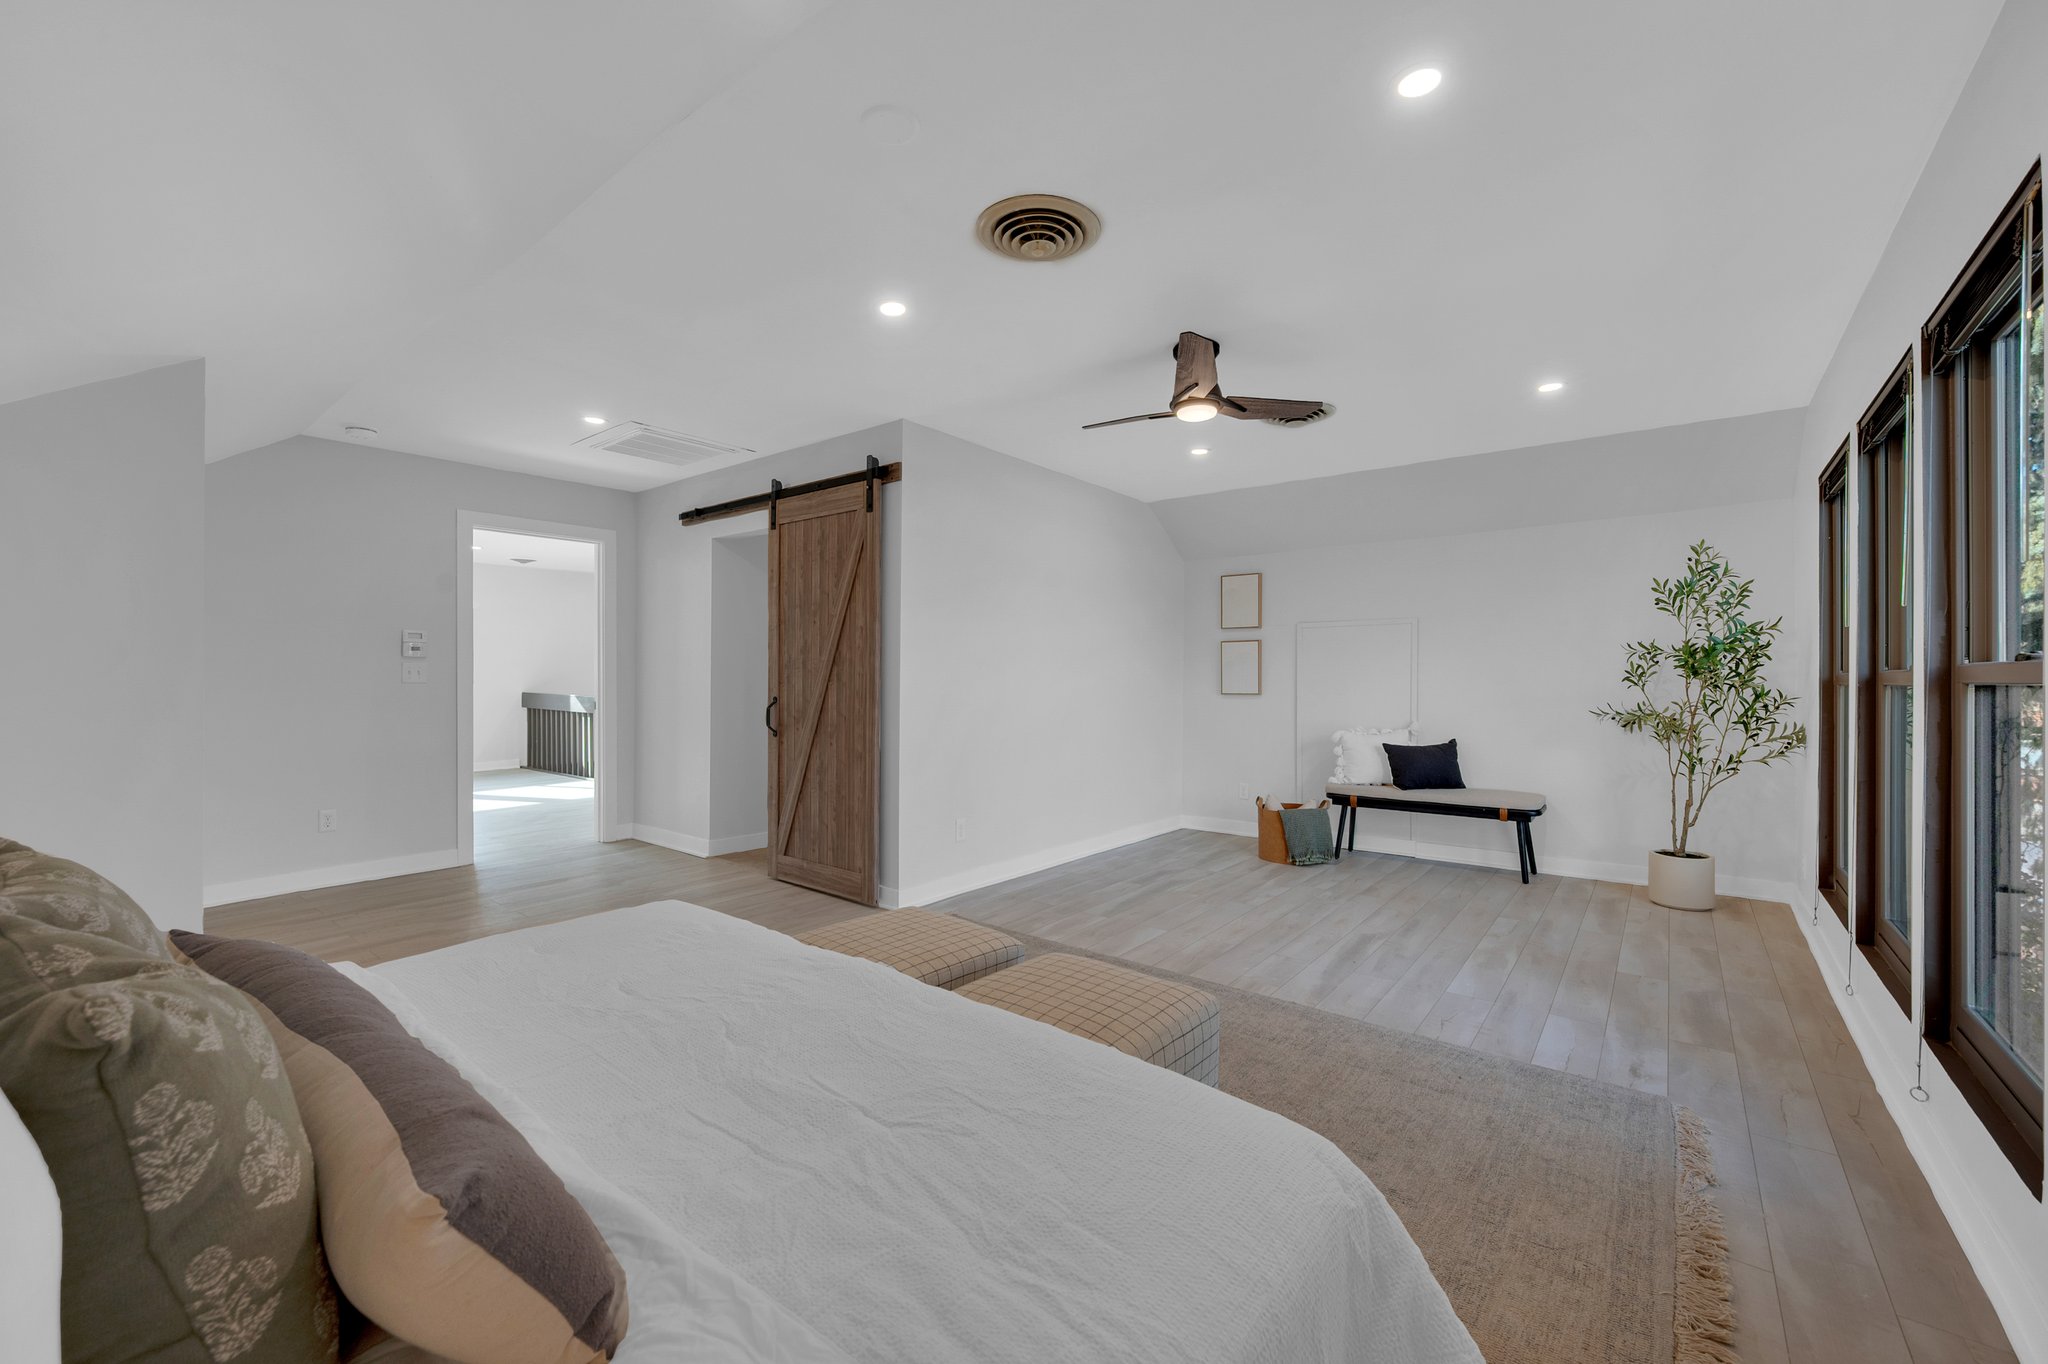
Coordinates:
521 812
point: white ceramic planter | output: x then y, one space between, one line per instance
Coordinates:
1682 882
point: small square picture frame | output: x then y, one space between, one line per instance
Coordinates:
1241 600
1241 667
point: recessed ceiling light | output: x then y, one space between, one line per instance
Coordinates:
889 124
1420 82
1550 386
893 309
595 421
1199 451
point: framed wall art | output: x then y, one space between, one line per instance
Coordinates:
1243 596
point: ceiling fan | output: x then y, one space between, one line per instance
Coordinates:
1197 396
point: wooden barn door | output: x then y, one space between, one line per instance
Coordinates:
825 678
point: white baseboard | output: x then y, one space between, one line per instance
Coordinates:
944 887
1242 828
319 878
692 844
497 764
1971 1180
738 843
669 838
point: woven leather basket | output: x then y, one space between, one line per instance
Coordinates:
1272 839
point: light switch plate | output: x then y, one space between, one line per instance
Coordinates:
410 671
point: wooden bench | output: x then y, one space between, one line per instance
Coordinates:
1470 802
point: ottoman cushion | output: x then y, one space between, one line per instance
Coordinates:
937 949
1155 1020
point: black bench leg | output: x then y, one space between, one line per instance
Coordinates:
1525 849
1354 826
1338 850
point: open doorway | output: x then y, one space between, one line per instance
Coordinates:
740 717
532 716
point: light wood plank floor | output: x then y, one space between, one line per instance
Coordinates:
1839 1250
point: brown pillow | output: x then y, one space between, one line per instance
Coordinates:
162 1110
441 1223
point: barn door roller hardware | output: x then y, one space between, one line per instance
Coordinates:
874 474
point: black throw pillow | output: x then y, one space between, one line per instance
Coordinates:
1425 767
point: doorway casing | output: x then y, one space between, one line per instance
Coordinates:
606 793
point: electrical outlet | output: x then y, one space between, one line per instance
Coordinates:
1244 790
329 821
411 671
959 831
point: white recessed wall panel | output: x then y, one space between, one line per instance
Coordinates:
1348 674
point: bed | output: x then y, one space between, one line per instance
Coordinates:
858 1166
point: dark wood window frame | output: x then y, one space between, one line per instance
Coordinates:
1884 771
1837 684
2001 279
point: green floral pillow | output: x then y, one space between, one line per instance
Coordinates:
67 894
162 1109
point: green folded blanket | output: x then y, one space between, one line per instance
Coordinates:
1308 836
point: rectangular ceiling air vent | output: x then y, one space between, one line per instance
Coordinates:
654 442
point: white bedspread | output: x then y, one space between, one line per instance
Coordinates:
915 1176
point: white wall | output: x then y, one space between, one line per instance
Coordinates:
101 519
1031 649
317 555
1998 129
535 630
1519 634
1041 661
739 692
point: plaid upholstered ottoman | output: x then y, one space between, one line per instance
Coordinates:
1170 1025
937 949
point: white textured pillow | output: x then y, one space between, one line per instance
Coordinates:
1360 759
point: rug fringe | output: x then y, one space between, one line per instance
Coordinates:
1703 1322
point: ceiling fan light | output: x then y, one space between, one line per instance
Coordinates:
1420 82
1195 410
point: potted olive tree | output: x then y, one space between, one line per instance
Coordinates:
1705 700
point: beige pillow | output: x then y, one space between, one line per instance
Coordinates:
442 1224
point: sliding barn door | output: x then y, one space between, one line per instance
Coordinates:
825 678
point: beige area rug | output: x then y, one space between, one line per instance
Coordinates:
1565 1218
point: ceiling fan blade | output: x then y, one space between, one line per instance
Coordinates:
1147 417
1272 409
1194 366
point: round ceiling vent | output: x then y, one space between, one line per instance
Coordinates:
1038 227
1321 412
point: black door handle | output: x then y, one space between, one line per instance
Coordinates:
768 716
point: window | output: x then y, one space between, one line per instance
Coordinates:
1985 983
1885 458
1837 676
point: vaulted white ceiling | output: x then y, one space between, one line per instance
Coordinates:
470 226
294 191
